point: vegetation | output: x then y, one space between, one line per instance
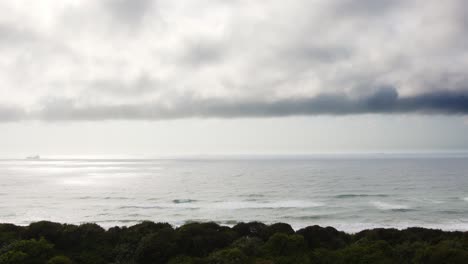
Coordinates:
210 243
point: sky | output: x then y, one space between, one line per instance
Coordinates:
162 77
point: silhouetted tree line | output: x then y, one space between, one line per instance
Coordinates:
210 243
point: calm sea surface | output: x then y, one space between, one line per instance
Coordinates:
349 192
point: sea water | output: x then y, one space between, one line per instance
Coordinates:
348 192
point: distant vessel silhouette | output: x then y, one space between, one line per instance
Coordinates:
36 157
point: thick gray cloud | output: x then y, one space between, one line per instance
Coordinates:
129 11
12 34
10 114
365 8
122 59
384 101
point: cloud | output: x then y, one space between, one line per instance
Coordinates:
13 35
366 7
122 59
11 113
203 52
129 11
384 101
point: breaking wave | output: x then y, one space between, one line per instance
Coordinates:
345 196
391 207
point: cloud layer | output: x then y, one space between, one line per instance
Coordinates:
161 59
384 101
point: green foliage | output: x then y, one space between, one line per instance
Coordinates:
227 256
206 243
14 257
28 251
270 230
200 239
324 256
186 260
250 229
157 247
9 233
406 252
444 252
320 237
48 230
281 244
367 252
59 260
250 246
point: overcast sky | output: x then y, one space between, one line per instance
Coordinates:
141 77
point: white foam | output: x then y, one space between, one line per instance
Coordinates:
389 206
266 205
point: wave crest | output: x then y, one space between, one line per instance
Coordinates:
391 207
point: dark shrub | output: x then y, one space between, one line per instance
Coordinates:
86 243
157 247
227 256
444 252
147 227
9 232
49 230
200 239
406 251
30 251
59 260
126 240
281 244
367 252
250 246
328 237
276 228
186 260
250 229
390 235
14 257
203 243
431 236
124 253
325 256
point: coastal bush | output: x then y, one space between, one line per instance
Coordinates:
30 251
324 256
250 246
281 244
255 229
157 247
49 230
447 251
146 227
320 237
14 257
367 252
125 240
206 243
186 260
227 256
200 239
409 252
59 260
9 233
270 230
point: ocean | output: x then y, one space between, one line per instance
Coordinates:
350 192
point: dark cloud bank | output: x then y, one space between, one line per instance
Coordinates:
384 101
